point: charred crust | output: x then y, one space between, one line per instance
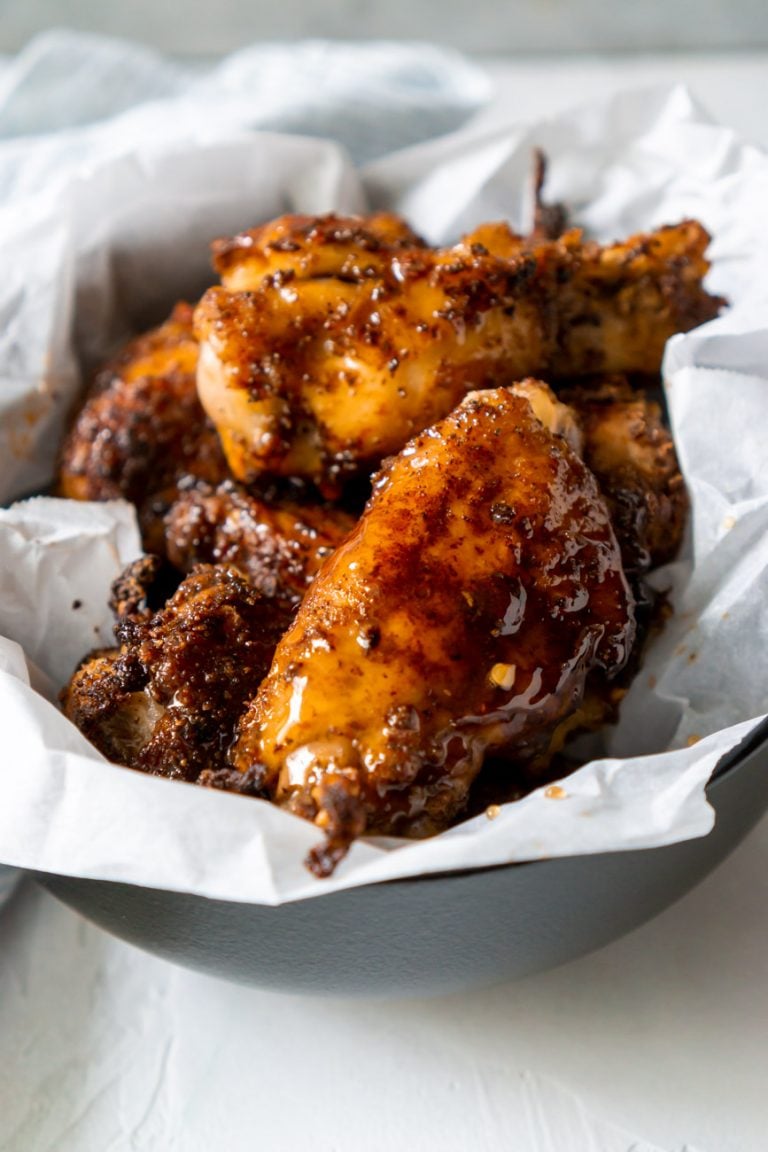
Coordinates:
247 783
142 588
197 660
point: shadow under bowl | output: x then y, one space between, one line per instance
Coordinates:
431 935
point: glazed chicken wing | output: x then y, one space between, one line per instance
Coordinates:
333 340
142 428
312 247
323 375
626 444
460 618
616 305
280 545
168 698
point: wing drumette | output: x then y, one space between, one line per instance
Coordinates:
168 698
460 618
615 305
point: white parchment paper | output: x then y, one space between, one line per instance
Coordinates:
127 234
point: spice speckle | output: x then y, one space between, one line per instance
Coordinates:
503 675
555 792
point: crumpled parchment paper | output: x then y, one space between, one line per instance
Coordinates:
111 246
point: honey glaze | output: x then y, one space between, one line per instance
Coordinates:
346 336
478 628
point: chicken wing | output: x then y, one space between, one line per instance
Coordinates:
168 698
632 454
460 618
628 447
321 377
280 545
617 304
334 340
142 428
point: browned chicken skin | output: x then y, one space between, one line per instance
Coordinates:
142 428
330 344
462 617
168 699
312 247
321 376
614 305
629 449
279 545
632 454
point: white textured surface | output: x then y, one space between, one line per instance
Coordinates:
662 1036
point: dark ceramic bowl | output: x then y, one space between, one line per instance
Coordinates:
435 934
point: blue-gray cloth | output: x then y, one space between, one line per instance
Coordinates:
371 97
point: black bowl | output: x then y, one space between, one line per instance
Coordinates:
434 934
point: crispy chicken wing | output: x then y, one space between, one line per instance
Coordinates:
142 428
627 446
333 340
615 305
280 545
460 618
632 454
168 698
322 376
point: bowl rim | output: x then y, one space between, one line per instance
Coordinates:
726 767
732 759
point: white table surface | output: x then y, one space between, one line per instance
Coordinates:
732 87
663 1036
